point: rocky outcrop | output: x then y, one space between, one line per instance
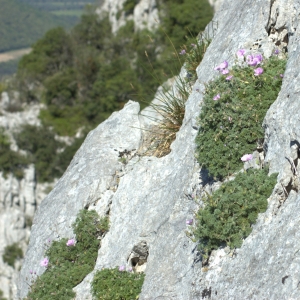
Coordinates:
144 15
149 199
18 198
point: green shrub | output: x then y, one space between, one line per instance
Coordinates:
182 18
98 72
10 161
229 212
68 266
11 254
114 284
1 296
42 148
231 126
129 5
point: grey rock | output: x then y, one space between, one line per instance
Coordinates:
89 176
151 200
145 14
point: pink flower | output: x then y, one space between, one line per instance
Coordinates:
182 52
122 268
193 45
222 66
254 60
70 242
246 157
241 52
45 262
276 51
258 71
229 77
217 97
189 222
281 75
225 71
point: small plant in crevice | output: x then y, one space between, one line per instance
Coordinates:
170 105
11 254
68 261
170 102
195 54
117 284
229 213
233 109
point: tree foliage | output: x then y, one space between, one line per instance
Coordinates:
229 212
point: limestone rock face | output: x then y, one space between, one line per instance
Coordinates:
149 199
18 198
216 4
145 14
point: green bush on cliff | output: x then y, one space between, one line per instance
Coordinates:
229 212
1 296
232 114
10 161
68 265
42 148
12 253
114 284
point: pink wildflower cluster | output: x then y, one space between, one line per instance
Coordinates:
246 157
70 242
252 60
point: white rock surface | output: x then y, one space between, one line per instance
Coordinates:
18 198
145 14
149 199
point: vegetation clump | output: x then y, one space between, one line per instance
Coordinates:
10 161
229 212
114 284
68 262
129 5
11 254
232 114
1 296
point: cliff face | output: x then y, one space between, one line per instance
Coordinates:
144 15
18 198
149 198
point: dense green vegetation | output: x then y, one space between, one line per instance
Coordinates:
84 75
21 25
114 284
42 149
232 126
1 296
68 265
89 73
229 213
230 130
11 254
10 161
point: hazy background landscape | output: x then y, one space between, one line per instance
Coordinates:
22 22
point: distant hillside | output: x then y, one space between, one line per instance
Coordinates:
61 7
21 24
